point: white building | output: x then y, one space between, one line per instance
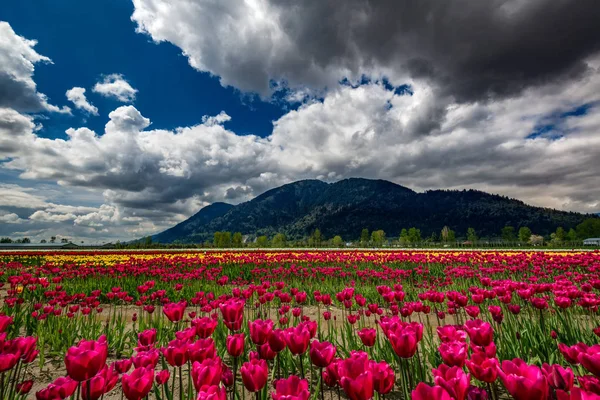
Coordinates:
591 242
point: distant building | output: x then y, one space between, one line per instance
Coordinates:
37 246
591 242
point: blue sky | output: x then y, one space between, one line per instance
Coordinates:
86 39
152 109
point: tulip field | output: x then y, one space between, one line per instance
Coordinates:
288 325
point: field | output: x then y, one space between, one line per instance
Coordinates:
294 325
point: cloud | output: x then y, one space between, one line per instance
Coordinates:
10 218
115 86
18 91
76 95
464 49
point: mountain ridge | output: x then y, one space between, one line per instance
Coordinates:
347 206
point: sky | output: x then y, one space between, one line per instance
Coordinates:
119 119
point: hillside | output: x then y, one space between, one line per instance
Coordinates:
346 207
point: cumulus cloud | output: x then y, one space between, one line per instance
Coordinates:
76 95
115 86
10 218
18 91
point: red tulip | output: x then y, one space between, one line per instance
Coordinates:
207 373
201 349
162 377
176 352
523 381
297 339
254 374
205 327
453 380
265 352
277 340
383 377
86 359
122 366
368 336
453 353
480 332
590 383
24 387
404 340
5 321
233 313
212 392
449 333
147 338
235 344
425 392
321 353
61 388
174 311
227 377
356 377
590 359
100 384
559 377
483 368
476 393
292 388
571 353
146 359
260 330
138 384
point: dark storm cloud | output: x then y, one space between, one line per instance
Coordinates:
471 49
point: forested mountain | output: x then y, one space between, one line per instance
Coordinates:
346 207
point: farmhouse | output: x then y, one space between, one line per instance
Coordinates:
592 242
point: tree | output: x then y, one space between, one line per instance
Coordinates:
447 235
237 240
589 228
43 241
364 237
316 238
378 238
414 235
471 235
65 240
451 236
52 239
508 234
337 241
536 240
279 240
403 236
147 241
222 239
6 240
572 235
559 235
25 240
262 241
524 234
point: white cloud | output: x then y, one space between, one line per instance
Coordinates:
76 95
17 63
115 86
10 218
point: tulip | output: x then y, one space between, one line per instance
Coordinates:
277 341
571 353
383 377
523 381
204 327
254 374
100 384
404 340
86 359
212 392
176 352
235 344
207 373
297 339
265 352
368 336
122 366
453 380
146 359
481 333
201 349
260 330
476 393
233 313
227 377
321 353
453 353
356 377
5 321
425 392
590 383
138 384
24 387
483 368
449 333
61 388
558 377
174 311
162 377
292 388
147 338
590 359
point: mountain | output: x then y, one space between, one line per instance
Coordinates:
346 207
